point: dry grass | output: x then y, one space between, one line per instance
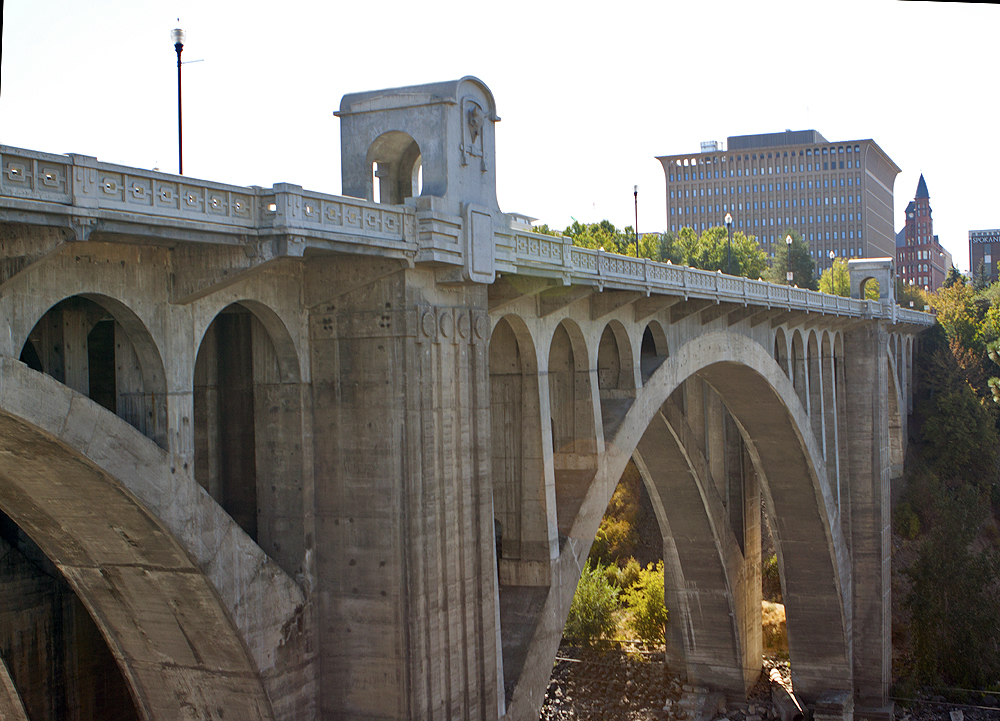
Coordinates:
775 633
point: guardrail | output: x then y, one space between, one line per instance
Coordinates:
556 255
81 187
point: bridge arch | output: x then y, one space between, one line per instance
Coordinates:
248 427
801 500
100 347
653 349
523 503
162 620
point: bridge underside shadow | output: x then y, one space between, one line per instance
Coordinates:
158 614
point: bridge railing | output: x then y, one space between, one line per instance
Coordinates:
79 185
535 253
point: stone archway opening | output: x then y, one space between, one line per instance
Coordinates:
99 348
653 350
525 540
247 429
396 168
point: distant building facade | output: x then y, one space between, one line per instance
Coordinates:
839 196
920 258
984 247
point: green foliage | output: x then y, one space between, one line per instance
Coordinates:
771 579
980 277
711 251
794 257
646 607
593 611
836 280
655 246
906 523
956 312
623 576
906 293
545 229
959 434
953 598
954 276
616 538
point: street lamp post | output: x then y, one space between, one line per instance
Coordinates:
177 35
729 244
635 192
833 273
788 259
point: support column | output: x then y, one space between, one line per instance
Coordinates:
405 554
869 466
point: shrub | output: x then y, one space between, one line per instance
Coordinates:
592 614
623 576
647 610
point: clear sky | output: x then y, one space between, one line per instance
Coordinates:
588 92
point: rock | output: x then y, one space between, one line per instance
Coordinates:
990 701
957 715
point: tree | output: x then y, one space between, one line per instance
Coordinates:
953 599
711 251
980 278
954 275
836 280
645 603
795 258
545 229
956 312
592 613
906 293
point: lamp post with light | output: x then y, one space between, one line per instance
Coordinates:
635 192
729 244
833 273
788 259
177 35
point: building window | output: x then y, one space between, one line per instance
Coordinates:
826 183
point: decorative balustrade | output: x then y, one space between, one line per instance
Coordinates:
536 252
79 186
83 186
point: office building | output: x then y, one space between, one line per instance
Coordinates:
920 258
981 250
837 195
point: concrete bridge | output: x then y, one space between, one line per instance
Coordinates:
270 453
